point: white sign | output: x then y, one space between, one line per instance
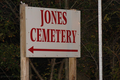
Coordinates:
52 32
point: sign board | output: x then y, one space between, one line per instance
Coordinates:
52 32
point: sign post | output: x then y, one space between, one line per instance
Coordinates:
24 63
48 32
72 69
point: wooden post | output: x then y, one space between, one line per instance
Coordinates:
72 68
24 61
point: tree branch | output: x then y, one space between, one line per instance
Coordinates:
107 5
60 3
73 4
4 73
35 70
91 55
114 54
12 9
14 6
52 68
61 68
97 15
117 1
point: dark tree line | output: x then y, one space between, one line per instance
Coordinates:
87 64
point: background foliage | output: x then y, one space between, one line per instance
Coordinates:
87 65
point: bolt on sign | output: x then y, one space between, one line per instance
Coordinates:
52 32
